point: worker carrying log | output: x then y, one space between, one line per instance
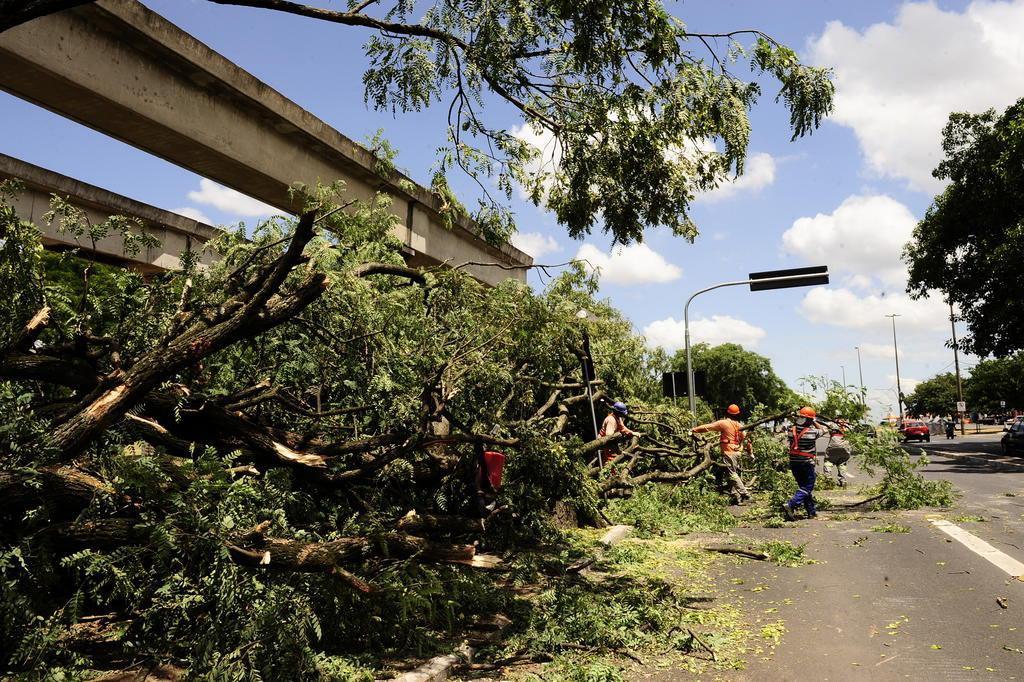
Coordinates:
732 440
803 443
838 453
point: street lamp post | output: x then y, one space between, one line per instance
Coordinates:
758 281
860 372
956 361
896 351
584 315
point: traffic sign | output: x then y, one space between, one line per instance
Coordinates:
802 277
1002 403
961 406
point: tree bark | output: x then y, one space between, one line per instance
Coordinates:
257 308
67 489
326 557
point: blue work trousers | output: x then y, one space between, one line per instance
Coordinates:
803 472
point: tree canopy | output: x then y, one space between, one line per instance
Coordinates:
736 375
971 241
639 112
937 395
994 380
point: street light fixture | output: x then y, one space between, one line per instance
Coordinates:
860 372
896 351
758 281
588 367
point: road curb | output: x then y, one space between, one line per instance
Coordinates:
997 464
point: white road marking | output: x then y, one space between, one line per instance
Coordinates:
1001 560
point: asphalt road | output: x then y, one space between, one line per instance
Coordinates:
918 605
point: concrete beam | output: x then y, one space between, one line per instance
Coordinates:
124 70
176 233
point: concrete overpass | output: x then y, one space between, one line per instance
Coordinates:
124 70
176 233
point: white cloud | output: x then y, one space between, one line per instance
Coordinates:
844 308
194 214
230 201
549 154
877 350
897 83
758 173
633 264
670 333
534 243
864 236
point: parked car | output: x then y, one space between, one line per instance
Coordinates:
1013 440
915 430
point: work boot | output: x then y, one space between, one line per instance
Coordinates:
787 512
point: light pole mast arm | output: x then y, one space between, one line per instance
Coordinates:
686 319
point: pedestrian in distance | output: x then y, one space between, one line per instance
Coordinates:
950 429
803 439
732 440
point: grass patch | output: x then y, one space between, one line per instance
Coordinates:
970 518
891 528
644 599
656 510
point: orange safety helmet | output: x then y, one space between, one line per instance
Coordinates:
808 412
733 409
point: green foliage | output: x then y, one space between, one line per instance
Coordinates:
785 553
735 375
993 380
891 528
840 403
968 245
640 114
173 592
572 669
902 485
655 510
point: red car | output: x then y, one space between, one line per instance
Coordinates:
916 431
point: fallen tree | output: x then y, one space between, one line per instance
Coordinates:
310 387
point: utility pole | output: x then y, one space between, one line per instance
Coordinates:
956 362
896 350
860 371
843 367
588 367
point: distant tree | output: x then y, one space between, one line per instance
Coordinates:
937 395
736 375
632 102
970 244
994 380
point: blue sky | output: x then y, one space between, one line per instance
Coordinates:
846 197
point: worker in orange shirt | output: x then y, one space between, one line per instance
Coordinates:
732 441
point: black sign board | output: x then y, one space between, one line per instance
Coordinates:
814 275
679 390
